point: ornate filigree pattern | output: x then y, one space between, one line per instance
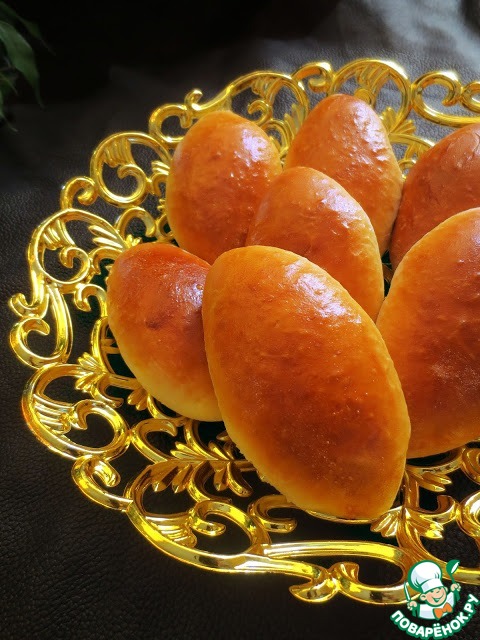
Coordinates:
181 457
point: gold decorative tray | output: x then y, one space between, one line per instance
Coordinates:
182 483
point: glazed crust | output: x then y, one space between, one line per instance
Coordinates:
444 181
310 214
430 321
344 137
218 175
154 298
304 382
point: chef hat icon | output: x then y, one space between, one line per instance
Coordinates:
425 576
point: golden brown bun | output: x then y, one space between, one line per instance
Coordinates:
444 181
218 175
154 298
310 214
430 321
304 382
344 137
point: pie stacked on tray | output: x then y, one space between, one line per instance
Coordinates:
269 312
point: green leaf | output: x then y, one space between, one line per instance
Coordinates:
7 14
6 84
21 55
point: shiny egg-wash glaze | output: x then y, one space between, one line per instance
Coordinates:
309 213
154 298
218 175
345 138
445 180
430 321
305 384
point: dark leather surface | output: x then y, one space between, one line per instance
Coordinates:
69 568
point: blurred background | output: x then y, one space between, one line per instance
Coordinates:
86 39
